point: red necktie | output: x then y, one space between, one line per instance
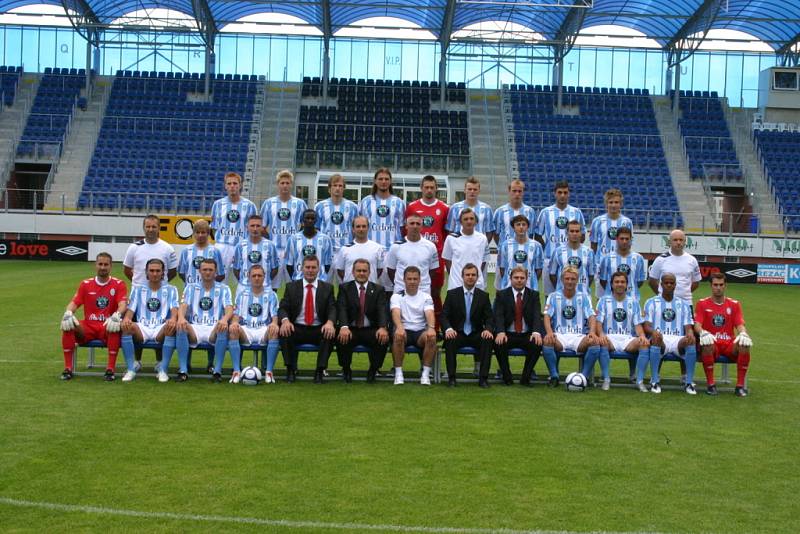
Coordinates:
309 305
518 314
362 300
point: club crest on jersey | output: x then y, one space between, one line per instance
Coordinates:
233 216
254 256
337 217
255 309
624 268
197 261
520 256
718 319
101 303
308 250
284 214
206 303
427 221
561 222
153 304
568 312
575 261
668 315
620 315
382 210
612 232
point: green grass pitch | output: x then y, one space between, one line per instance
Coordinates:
339 457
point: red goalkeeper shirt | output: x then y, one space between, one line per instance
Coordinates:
719 319
99 301
434 217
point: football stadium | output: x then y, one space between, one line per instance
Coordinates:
429 266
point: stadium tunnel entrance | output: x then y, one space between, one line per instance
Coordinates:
25 186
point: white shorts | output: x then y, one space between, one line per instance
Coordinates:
620 341
203 333
671 344
255 336
570 341
547 285
149 333
282 276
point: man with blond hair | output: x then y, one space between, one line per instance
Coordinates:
282 216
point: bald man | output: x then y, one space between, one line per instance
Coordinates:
678 262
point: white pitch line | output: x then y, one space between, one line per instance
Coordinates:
272 522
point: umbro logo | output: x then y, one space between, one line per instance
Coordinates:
71 250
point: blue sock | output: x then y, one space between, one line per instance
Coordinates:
167 349
182 342
236 354
128 351
605 363
272 353
219 352
655 361
641 364
691 359
589 359
549 354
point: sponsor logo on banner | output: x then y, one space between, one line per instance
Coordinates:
772 273
735 246
19 249
179 230
793 274
735 273
786 248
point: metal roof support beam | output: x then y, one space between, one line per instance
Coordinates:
789 52
444 40
565 40
700 22
85 22
327 34
208 30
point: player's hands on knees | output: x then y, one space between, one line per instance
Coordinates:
287 328
68 321
550 340
536 338
643 342
690 339
345 335
450 334
743 340
707 338
221 326
273 331
487 334
328 330
127 325
234 330
382 335
400 334
656 338
114 323
594 339
501 338
170 327
183 325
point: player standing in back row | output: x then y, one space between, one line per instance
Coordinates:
282 216
229 216
386 215
603 233
335 214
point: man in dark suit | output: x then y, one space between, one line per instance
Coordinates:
518 321
307 314
362 317
467 321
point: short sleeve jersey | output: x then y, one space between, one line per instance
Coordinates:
206 306
100 301
282 220
434 219
301 246
255 311
336 220
462 249
632 265
412 309
485 217
348 254
511 253
191 258
140 252
684 267
421 253
152 308
569 315
552 225
719 319
502 220
229 219
247 254
668 317
619 317
581 258
386 218
604 232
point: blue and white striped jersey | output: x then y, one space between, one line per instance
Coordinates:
552 225
632 265
247 254
282 220
191 258
502 221
229 219
152 308
386 218
485 217
529 255
569 315
619 317
206 306
582 259
336 221
604 232
668 317
255 311
301 246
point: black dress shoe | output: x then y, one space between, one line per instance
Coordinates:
318 376
526 382
371 375
347 374
290 374
451 382
508 380
552 382
483 382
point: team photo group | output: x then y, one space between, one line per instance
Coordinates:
369 278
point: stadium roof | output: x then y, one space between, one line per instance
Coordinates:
777 23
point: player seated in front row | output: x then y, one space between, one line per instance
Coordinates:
155 307
668 322
203 317
103 299
618 327
716 320
414 325
255 322
568 322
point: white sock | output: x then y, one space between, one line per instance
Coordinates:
398 370
426 370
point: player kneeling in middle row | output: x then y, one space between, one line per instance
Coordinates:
255 322
618 327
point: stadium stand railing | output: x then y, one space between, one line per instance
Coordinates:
9 81
779 151
161 149
383 123
604 138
